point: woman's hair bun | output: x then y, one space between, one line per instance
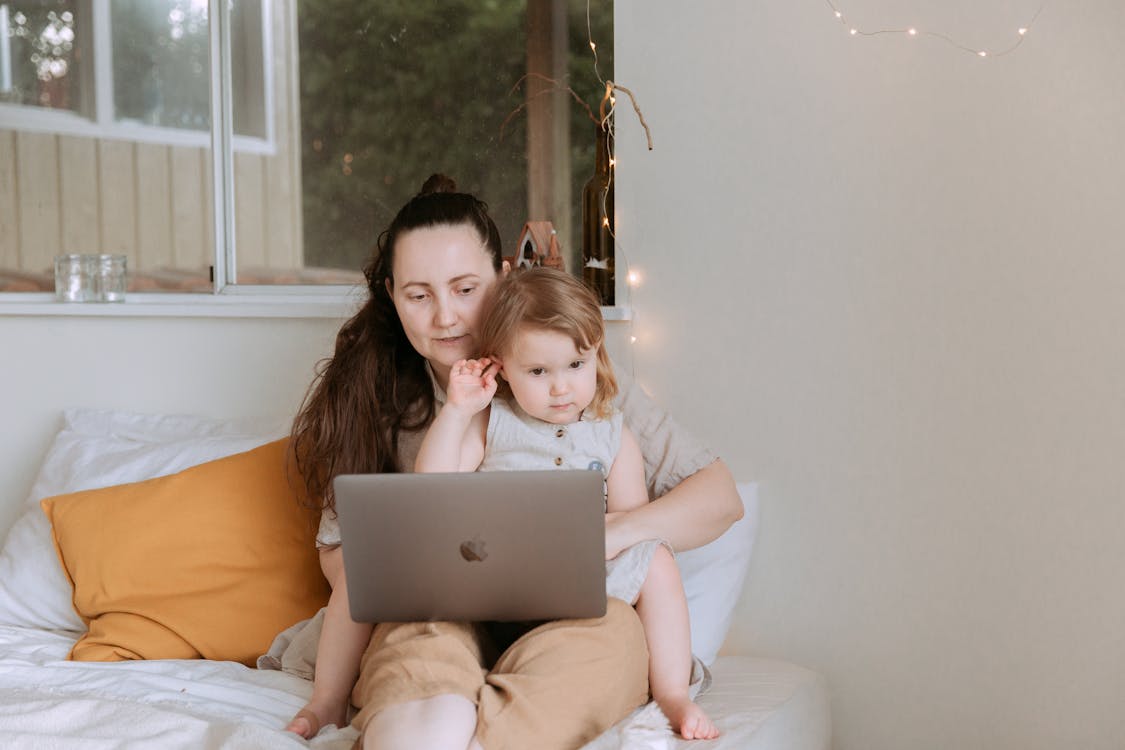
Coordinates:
438 183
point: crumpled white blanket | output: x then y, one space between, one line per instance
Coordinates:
47 702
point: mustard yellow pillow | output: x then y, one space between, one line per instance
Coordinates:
211 562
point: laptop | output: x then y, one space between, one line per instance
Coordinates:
500 546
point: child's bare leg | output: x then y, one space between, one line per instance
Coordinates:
663 610
342 642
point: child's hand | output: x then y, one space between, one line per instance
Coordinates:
472 384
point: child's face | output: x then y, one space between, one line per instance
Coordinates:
550 378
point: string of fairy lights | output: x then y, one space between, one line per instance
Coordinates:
914 31
606 110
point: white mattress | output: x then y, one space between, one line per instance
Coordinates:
47 702
758 704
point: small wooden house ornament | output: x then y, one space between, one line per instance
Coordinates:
538 246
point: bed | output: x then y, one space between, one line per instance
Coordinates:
135 604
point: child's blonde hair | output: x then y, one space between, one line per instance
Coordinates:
548 299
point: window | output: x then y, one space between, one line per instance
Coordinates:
132 69
339 110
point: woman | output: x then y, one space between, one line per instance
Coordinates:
422 685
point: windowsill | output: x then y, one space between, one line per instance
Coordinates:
262 302
340 304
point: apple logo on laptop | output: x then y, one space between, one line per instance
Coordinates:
474 549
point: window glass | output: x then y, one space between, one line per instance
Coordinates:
394 90
40 54
161 64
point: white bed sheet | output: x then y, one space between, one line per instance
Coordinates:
758 704
47 702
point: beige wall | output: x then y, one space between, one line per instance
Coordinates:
902 265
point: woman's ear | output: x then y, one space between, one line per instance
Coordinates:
390 287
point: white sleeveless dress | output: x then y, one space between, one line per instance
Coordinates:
516 441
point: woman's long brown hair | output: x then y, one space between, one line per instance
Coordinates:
375 385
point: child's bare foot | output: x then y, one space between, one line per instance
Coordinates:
307 722
687 718
304 724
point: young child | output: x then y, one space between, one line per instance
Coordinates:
543 335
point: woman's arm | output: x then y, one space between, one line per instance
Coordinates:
694 512
695 496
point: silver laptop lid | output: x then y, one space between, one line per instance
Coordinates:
505 545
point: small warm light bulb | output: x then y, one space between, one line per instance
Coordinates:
632 339
1022 32
912 32
593 46
613 100
855 31
982 53
605 221
839 14
613 162
633 278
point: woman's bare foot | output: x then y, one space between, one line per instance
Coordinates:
687 718
307 722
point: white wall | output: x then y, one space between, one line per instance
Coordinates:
207 366
902 264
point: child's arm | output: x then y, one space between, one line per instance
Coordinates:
455 439
625 485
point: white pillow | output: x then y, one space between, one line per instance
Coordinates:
713 577
105 448
101 449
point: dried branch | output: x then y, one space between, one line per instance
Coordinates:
555 86
610 86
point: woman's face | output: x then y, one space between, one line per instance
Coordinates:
441 278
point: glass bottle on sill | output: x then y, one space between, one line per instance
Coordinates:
597 223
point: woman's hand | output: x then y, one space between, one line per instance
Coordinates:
472 384
693 513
